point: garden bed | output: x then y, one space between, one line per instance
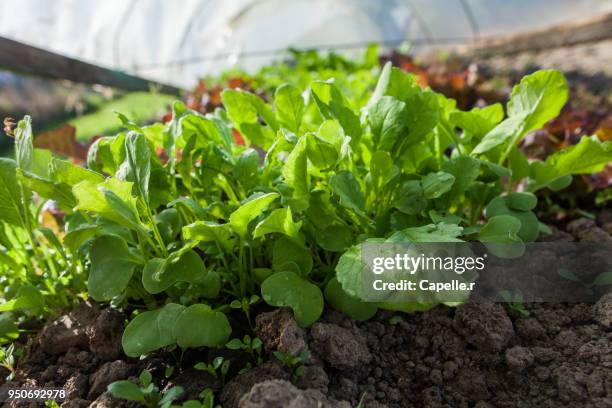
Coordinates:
216 259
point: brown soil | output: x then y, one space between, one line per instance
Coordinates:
476 355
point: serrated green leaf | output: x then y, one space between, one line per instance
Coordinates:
289 107
279 221
111 199
247 212
207 231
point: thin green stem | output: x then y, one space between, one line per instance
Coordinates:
156 234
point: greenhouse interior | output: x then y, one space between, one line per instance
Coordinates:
306 203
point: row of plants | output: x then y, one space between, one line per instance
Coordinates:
184 238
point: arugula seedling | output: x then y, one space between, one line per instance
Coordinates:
218 368
252 346
207 401
147 394
514 303
295 364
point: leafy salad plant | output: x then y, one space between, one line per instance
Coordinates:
190 231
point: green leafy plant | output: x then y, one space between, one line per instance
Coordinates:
207 401
295 364
218 368
8 359
514 303
147 394
184 239
252 346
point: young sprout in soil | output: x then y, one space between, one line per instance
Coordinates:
218 368
295 364
8 359
207 401
147 394
250 345
514 303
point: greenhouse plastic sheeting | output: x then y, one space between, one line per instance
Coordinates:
178 41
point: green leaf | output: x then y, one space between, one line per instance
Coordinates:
529 221
382 170
542 94
280 221
244 109
348 270
500 235
246 170
112 267
169 224
288 254
65 172
145 378
126 390
422 113
60 192
522 201
321 153
331 131
588 156
436 184
247 212
386 120
170 395
465 169
603 279
537 99
333 105
347 188
209 286
501 133
41 160
351 306
78 236
159 274
11 210
393 82
199 326
409 198
500 228
207 231
295 173
111 199
8 329
479 121
28 299
334 238
151 330
24 149
289 107
107 153
287 289
138 161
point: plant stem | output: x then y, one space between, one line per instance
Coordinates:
158 238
